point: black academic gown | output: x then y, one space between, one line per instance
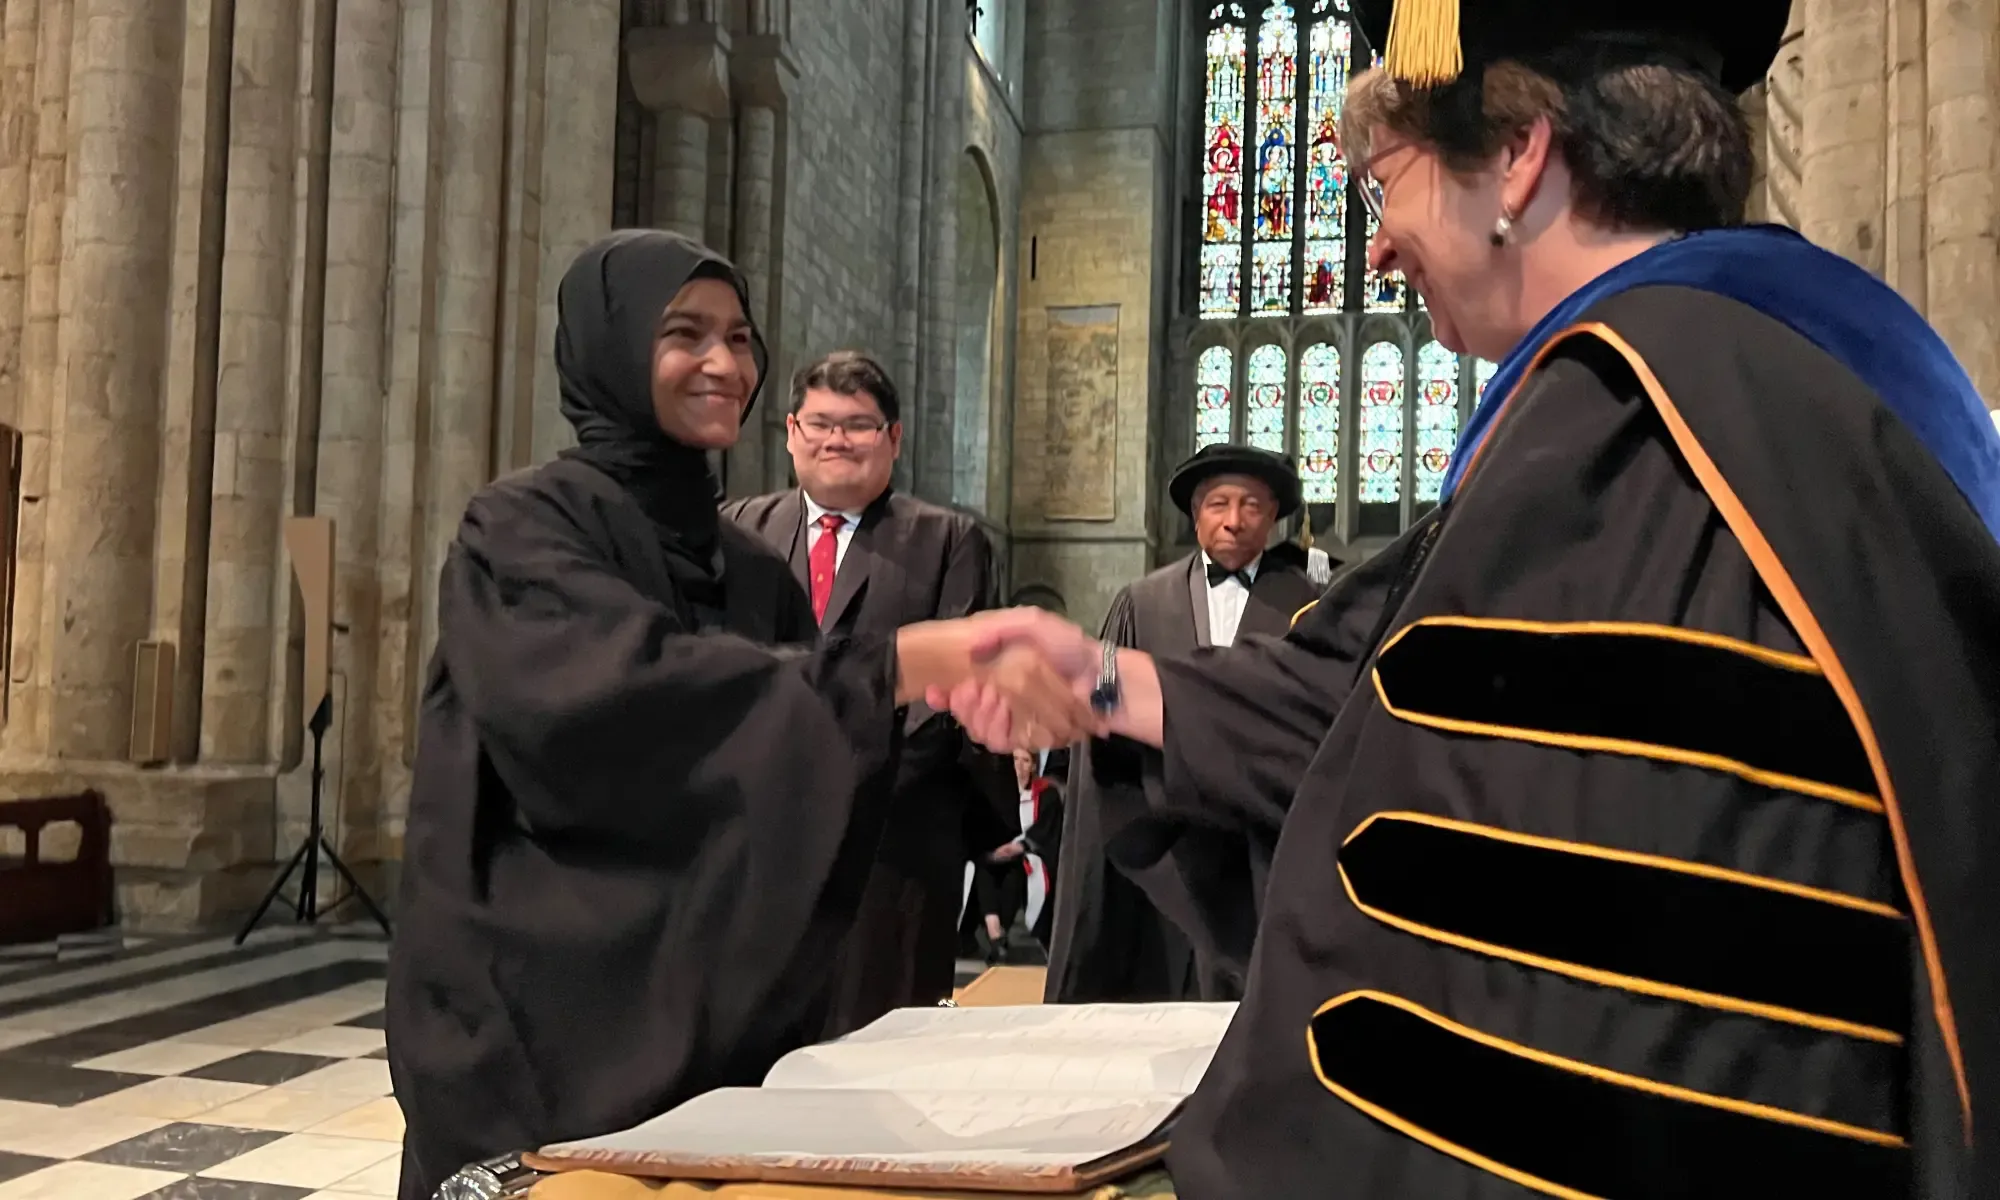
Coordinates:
1110 942
909 561
1611 798
635 837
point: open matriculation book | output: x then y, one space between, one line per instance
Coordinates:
1041 1098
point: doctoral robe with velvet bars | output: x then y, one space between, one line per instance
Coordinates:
1637 814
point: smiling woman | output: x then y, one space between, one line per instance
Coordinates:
643 811
706 365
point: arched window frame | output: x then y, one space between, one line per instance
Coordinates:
1351 331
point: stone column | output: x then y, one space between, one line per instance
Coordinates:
680 73
354 380
680 172
28 719
1845 137
1959 269
1903 162
912 182
122 126
928 414
1784 116
468 243
764 74
18 45
581 121
252 384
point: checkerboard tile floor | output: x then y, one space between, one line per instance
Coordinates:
200 1070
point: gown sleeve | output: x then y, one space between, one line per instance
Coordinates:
606 718
1198 824
1104 944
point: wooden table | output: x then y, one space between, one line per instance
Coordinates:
592 1185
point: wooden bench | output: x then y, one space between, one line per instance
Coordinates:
40 900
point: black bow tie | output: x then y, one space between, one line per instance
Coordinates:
1217 573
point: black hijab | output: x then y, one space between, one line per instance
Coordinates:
607 318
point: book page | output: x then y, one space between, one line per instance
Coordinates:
863 1130
1122 1049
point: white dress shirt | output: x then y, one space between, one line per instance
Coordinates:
814 511
1226 601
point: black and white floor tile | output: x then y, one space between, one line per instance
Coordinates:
198 1070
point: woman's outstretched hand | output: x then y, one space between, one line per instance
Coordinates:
1016 672
1005 702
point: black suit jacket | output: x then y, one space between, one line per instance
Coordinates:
909 561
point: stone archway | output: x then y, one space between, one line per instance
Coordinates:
978 287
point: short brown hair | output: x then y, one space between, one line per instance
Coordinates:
1650 146
849 373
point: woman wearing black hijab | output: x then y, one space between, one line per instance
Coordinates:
637 828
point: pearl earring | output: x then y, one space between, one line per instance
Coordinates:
1502 229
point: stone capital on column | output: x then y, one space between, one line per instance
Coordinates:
763 71
681 68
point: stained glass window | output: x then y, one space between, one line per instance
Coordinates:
1283 257
1319 423
1264 420
1212 407
1328 46
1437 419
1482 374
1379 455
1277 154
1222 172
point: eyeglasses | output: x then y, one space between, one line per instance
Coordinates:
859 430
1371 194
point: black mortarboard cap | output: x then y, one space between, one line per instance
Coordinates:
1431 42
1224 459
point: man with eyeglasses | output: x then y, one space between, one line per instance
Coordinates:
872 561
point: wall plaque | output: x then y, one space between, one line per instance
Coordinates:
1080 451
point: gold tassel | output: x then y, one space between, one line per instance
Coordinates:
1424 44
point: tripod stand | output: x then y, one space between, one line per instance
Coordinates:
307 911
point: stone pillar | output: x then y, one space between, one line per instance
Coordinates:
474 117
680 73
123 104
764 74
680 172
18 45
1755 104
912 182
1904 173
1784 117
581 122
517 356
29 714
354 377
1845 136
1960 278
928 414
404 573
252 384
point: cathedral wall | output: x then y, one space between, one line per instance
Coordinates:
262 259
1096 235
844 183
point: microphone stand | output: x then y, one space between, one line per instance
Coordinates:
306 910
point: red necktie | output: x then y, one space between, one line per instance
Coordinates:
824 561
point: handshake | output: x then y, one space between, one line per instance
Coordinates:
1016 679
